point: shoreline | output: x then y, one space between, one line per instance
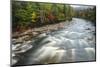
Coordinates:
34 32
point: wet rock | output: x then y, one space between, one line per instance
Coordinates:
88 29
24 48
14 60
35 33
19 40
16 46
13 41
26 38
42 35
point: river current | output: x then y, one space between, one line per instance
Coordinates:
74 43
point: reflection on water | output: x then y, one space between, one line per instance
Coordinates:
76 42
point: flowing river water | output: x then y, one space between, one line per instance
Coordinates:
74 43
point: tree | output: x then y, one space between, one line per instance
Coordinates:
30 14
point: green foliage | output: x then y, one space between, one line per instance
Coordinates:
30 14
33 14
89 14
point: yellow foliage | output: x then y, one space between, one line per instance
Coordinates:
34 16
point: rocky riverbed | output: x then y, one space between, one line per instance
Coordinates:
21 41
56 43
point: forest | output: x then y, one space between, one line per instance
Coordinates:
27 15
89 14
30 15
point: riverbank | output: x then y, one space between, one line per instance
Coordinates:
22 42
32 33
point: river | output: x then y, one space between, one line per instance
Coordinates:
74 43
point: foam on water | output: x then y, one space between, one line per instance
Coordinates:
70 44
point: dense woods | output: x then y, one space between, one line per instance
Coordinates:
29 14
26 15
89 14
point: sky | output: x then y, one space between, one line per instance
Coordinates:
85 6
